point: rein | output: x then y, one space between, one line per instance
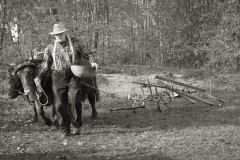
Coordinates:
39 94
40 91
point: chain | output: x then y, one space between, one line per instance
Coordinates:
112 95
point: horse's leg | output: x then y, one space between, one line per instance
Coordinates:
92 101
35 115
54 117
41 112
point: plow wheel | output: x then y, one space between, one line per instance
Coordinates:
136 98
164 101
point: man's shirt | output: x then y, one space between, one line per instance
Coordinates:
80 51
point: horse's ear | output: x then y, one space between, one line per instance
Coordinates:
35 54
11 71
30 56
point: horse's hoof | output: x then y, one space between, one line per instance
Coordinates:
49 122
56 124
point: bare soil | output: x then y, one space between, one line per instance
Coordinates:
118 84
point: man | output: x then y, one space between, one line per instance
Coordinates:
66 86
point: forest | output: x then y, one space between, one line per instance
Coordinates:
174 33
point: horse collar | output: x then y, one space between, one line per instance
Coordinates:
19 66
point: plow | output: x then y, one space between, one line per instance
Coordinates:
164 93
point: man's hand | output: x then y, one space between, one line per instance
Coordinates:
37 81
95 65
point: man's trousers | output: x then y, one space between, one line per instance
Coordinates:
67 99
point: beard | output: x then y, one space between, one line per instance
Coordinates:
60 38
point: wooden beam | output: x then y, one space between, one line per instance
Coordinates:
128 108
180 83
190 96
189 99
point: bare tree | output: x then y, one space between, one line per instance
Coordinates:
2 23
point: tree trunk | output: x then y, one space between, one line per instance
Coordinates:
106 18
146 29
159 59
2 23
95 18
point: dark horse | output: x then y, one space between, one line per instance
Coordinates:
22 81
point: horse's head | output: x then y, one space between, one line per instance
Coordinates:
25 72
15 84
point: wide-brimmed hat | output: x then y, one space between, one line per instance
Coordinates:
58 28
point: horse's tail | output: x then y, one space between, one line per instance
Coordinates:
96 89
97 94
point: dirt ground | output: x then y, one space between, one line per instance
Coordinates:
185 131
117 84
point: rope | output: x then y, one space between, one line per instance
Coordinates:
112 95
39 94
